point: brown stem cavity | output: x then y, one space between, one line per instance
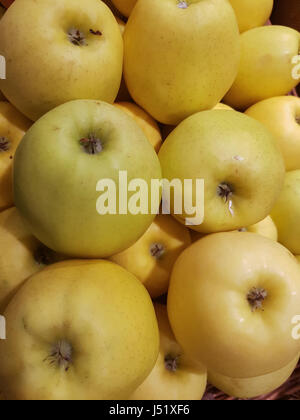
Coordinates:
172 363
157 250
77 37
225 191
91 145
256 298
61 355
5 144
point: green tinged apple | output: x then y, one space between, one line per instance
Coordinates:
57 51
58 166
237 158
180 57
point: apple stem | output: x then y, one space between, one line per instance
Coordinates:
171 363
5 144
61 355
157 250
76 37
45 256
256 298
92 145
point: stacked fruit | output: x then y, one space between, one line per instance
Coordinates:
100 217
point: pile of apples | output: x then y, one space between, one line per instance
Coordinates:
182 90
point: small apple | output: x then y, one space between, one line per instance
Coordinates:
182 49
253 387
145 121
13 126
61 50
265 228
252 13
239 161
281 115
231 302
286 213
21 255
78 145
175 376
78 330
152 257
266 66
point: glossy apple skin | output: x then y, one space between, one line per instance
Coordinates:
211 315
154 270
266 68
145 121
281 115
21 255
223 146
286 213
186 382
253 387
104 314
60 203
183 64
39 82
251 13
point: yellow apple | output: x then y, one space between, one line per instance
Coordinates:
286 213
152 257
231 302
175 376
124 6
13 126
69 170
265 228
183 50
281 115
61 50
239 161
78 330
145 121
266 65
21 255
252 13
253 387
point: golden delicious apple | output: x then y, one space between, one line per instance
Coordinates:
239 161
152 257
180 56
265 228
124 6
252 13
57 51
253 387
266 66
175 376
88 154
286 213
13 126
145 121
78 330
231 302
281 115
21 255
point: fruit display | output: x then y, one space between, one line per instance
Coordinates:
149 202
